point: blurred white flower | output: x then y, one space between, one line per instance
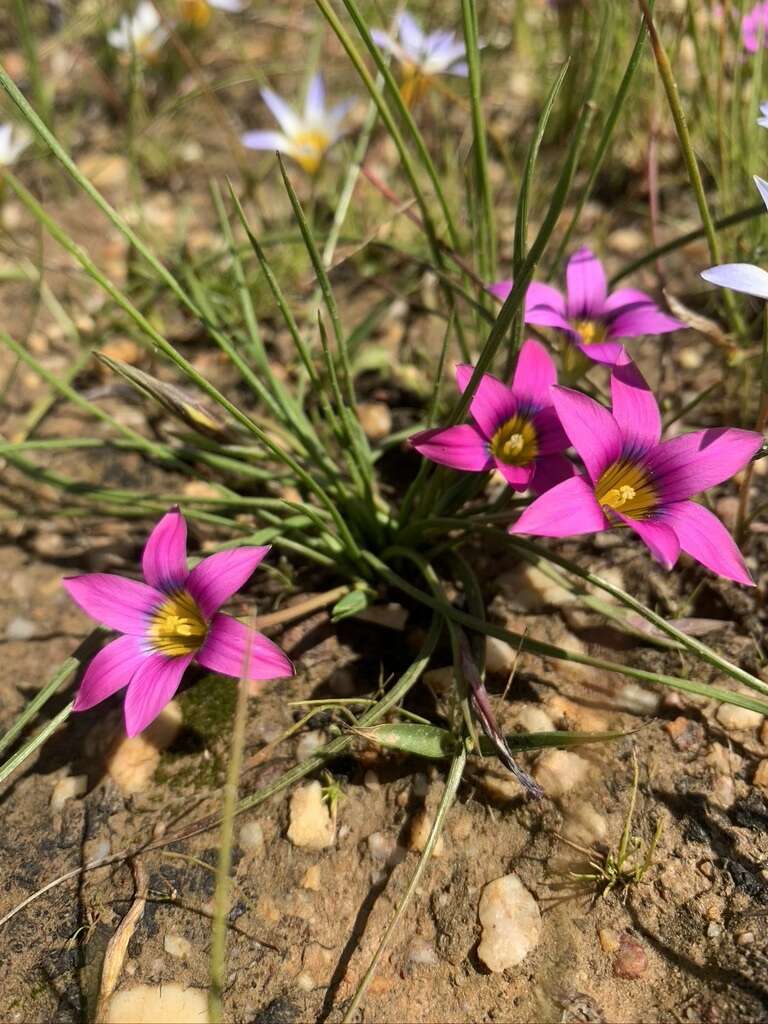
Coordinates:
424 53
13 141
142 32
305 137
198 12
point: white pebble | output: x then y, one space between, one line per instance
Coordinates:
638 700
178 946
150 1004
309 742
584 825
511 923
532 590
20 629
311 823
305 982
422 952
559 771
252 837
533 719
383 847
499 656
735 718
68 788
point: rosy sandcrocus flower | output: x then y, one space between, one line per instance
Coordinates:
515 429
169 621
305 137
591 319
142 32
636 479
742 277
754 27
198 12
422 55
13 141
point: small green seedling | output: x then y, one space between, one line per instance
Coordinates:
625 866
332 793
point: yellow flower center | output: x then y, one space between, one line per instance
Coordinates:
310 147
591 332
626 487
178 626
515 442
414 85
195 12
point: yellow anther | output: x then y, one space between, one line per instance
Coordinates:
628 487
591 332
178 626
512 446
515 442
619 496
309 149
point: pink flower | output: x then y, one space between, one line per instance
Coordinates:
590 318
169 621
516 428
636 479
754 27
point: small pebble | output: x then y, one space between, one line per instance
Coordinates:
421 951
685 733
20 629
421 826
533 719
178 946
511 923
311 824
760 777
68 788
309 743
499 656
714 930
305 982
375 419
735 719
150 1004
630 961
312 879
251 837
609 940
532 590
584 825
132 761
371 780
638 700
383 847
559 771
745 938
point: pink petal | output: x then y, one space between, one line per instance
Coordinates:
656 535
493 403
549 431
115 601
518 477
214 580
535 373
539 294
567 509
550 471
587 289
228 644
109 671
694 462
164 560
603 352
634 407
703 537
153 685
594 433
545 316
636 321
622 297
461 447
501 289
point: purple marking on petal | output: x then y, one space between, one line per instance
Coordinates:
622 297
153 685
658 537
691 463
550 436
164 559
587 288
460 447
518 477
228 644
493 403
546 316
109 671
642 319
634 407
568 509
739 277
539 294
550 471
703 537
535 374
115 601
593 432
214 580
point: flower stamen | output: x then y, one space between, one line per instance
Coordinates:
310 149
591 332
177 626
626 487
515 442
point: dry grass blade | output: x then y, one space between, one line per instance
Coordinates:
117 947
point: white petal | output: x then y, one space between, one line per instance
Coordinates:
314 105
740 277
289 121
762 188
